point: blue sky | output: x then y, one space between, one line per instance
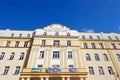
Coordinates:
81 15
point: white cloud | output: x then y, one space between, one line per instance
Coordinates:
87 30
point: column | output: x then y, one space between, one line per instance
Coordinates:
22 78
46 78
68 78
62 58
28 79
75 58
41 78
63 78
81 78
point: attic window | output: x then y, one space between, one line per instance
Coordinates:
56 34
45 34
68 34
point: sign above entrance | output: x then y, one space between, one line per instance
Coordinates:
36 69
54 69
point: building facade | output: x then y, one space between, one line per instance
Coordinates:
58 53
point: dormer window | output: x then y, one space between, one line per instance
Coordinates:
116 38
45 34
90 37
56 34
20 35
68 34
12 35
28 35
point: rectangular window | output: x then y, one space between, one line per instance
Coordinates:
17 44
56 43
2 56
43 42
39 66
41 56
70 66
110 70
101 45
8 43
25 44
100 69
85 45
91 71
68 43
113 46
69 55
12 56
17 70
21 56
56 55
93 45
6 70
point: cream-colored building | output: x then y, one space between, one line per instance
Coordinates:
58 53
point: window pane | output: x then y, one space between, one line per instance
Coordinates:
56 55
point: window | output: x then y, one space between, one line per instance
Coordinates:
68 34
101 45
69 55
109 38
25 44
88 57
91 71
2 55
20 35
56 55
116 38
17 44
45 34
97 57
68 43
105 57
113 46
17 70
12 56
110 70
8 43
83 37
85 45
6 70
93 45
98 37
118 57
56 43
56 34
12 35
21 56
39 66
28 35
90 37
70 66
100 69
41 56
43 42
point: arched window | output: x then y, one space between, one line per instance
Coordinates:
88 57
68 34
2 55
97 57
118 57
21 56
105 57
45 34
56 34
12 56
12 35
